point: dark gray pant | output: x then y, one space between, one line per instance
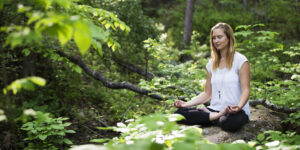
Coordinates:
194 116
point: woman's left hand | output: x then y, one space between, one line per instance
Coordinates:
233 109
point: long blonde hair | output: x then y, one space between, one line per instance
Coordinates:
215 54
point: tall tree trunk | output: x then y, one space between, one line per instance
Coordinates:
188 22
245 5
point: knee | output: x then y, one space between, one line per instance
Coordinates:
231 126
180 110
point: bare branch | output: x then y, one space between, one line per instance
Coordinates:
113 85
272 106
134 68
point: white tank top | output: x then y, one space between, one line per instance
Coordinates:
226 87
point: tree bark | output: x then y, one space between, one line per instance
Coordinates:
188 21
133 68
272 106
245 5
113 85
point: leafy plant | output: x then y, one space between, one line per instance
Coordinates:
161 132
24 83
45 132
277 140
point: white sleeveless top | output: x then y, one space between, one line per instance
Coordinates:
227 82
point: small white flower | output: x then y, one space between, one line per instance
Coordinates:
160 123
127 138
50 24
89 146
143 129
140 125
123 130
295 76
1 111
2 118
73 18
29 112
173 117
159 139
20 6
120 124
129 142
238 141
129 120
273 144
26 31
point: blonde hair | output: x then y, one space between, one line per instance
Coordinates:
215 54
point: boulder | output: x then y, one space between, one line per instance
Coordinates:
261 119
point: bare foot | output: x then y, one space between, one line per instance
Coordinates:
224 115
204 109
223 118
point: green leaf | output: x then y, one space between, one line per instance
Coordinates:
64 3
107 25
116 24
65 34
67 141
42 137
261 137
77 69
70 131
205 146
82 37
26 52
100 140
105 128
38 80
122 26
97 32
97 45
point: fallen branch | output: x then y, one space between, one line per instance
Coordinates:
125 85
272 106
133 68
113 85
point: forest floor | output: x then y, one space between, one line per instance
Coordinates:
262 119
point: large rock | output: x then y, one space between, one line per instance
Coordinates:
262 119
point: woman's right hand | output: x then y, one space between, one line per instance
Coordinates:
179 103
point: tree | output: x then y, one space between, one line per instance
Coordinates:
188 22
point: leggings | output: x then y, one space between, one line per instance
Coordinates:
194 116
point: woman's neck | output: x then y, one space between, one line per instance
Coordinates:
223 53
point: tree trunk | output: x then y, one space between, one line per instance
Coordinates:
245 5
188 22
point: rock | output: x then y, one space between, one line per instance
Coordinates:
261 119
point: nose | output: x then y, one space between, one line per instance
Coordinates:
216 41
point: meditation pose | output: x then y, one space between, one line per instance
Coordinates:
227 86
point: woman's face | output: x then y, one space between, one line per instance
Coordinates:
220 40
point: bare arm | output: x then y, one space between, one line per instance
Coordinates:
244 74
201 98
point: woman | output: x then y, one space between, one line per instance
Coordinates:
227 86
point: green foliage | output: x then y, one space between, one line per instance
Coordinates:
33 31
160 132
293 119
24 83
277 140
64 23
45 132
